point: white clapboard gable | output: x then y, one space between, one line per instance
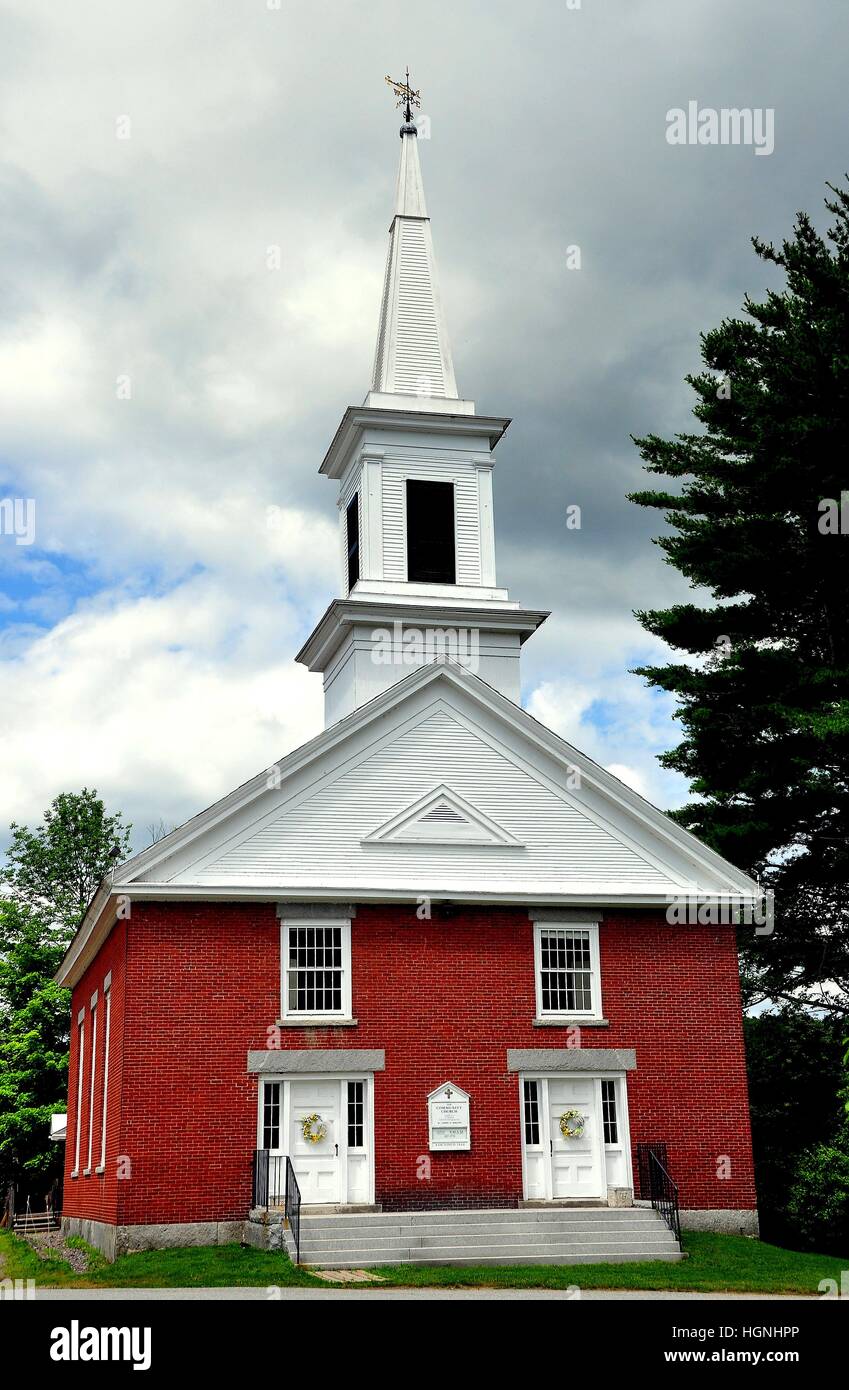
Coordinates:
439 785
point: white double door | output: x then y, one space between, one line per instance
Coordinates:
557 1164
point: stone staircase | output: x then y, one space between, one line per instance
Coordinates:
516 1236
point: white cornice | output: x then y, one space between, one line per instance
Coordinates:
344 615
358 418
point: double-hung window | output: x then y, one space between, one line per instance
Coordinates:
107 1027
316 970
91 1083
568 983
78 1117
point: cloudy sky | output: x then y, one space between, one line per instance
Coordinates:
162 388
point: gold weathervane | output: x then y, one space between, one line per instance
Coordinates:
407 97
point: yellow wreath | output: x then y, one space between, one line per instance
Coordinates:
313 1128
567 1128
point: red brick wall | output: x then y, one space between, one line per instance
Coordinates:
96 1195
444 999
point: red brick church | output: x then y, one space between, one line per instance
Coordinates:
427 977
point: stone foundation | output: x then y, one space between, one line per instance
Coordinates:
724 1221
112 1241
267 1230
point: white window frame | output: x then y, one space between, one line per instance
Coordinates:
286 1078
594 1013
80 1069
91 1084
107 1020
623 1119
342 1015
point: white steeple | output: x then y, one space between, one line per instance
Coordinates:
413 356
414 465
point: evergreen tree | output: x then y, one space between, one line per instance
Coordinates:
756 527
795 1082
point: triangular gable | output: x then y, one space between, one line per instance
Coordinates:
210 839
321 832
441 817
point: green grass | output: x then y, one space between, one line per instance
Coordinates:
208 1266
733 1264
717 1263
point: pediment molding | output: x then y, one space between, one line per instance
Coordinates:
441 817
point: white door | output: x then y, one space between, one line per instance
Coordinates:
576 1159
559 1165
317 1162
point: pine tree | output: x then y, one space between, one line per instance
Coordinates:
757 529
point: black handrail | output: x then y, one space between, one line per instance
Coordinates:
259 1179
293 1207
664 1194
274 1184
657 1147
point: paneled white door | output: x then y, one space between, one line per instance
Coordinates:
317 1165
576 1163
557 1166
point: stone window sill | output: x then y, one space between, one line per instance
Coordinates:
320 1021
100 1170
576 1021
86 1172
76 1173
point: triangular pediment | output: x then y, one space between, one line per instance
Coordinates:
438 786
441 817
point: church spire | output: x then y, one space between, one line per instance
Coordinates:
413 356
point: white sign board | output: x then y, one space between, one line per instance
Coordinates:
448 1118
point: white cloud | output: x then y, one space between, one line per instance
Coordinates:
619 723
164 704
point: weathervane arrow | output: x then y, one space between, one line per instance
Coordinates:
407 97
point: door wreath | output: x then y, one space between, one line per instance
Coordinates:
571 1124
313 1128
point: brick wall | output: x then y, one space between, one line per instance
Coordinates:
444 999
95 1195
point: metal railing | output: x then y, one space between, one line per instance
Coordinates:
259 1179
658 1147
662 1191
274 1185
293 1207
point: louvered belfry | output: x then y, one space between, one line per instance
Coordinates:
413 354
414 466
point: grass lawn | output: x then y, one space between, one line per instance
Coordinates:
731 1263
